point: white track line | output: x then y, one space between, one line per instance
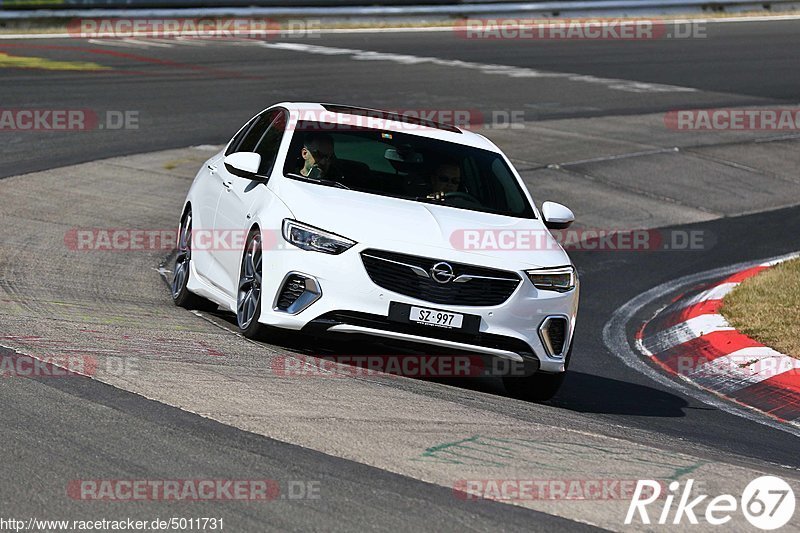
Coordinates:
150 42
485 68
121 43
191 41
717 292
684 332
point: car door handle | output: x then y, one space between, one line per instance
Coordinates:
212 169
227 184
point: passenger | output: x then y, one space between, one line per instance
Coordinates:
318 156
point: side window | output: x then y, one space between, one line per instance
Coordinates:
268 146
237 139
249 137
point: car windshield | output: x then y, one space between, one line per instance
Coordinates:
401 165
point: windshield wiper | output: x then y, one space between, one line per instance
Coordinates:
321 181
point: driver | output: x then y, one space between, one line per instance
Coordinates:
446 178
318 156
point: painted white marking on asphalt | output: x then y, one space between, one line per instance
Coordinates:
615 157
160 43
148 42
151 42
685 332
773 263
717 292
192 41
117 42
15 36
485 68
208 147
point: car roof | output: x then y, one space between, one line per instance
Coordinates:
404 122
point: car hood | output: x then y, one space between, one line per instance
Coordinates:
418 228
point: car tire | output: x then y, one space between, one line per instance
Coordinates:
248 294
181 296
538 387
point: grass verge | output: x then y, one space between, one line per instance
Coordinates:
766 307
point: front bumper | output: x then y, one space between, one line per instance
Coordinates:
350 303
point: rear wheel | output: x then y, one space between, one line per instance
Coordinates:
248 299
181 295
538 387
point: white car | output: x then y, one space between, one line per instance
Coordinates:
342 220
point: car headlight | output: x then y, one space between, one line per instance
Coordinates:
311 238
559 279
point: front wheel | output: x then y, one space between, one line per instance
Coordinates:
248 299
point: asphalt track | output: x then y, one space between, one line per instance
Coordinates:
195 94
188 95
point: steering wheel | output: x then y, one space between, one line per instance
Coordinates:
462 195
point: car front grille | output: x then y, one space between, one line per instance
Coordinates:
410 275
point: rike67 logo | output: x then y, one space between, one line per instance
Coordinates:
767 503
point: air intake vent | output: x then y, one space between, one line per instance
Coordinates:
553 334
292 290
297 293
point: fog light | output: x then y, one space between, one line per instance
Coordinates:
554 334
297 292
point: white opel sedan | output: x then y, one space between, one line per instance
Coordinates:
355 222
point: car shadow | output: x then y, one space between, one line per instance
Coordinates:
581 392
588 393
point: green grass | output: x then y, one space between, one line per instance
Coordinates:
766 307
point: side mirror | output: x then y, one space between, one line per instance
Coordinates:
243 164
557 216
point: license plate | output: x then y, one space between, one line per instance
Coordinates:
435 317
410 314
